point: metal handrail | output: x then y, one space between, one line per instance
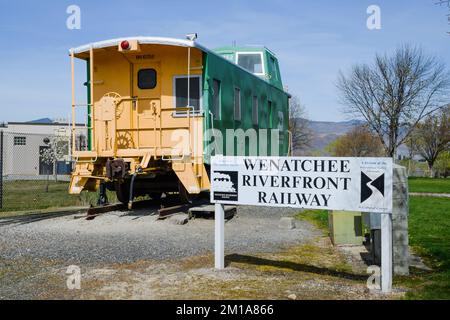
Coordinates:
74 127
189 109
211 115
156 146
132 99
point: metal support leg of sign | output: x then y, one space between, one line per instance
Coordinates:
386 252
219 243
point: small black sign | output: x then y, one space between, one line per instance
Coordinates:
225 185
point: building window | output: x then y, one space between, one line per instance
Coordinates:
237 104
216 99
255 110
252 62
181 92
20 141
147 79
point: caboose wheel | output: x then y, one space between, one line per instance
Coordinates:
122 191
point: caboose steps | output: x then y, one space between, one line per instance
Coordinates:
84 154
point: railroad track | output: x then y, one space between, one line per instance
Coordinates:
169 206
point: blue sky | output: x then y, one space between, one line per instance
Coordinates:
312 39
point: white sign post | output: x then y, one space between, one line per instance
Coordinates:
349 184
386 252
219 243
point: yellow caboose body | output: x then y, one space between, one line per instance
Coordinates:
135 127
152 104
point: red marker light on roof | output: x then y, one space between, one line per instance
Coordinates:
125 45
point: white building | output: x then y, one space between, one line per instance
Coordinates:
25 145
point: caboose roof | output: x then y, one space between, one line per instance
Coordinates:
82 50
141 40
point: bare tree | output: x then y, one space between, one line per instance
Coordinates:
57 149
358 142
411 144
395 93
442 164
433 137
298 125
445 3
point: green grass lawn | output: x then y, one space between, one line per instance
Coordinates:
429 235
319 218
32 195
431 185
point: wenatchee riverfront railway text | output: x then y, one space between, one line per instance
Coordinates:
331 183
297 181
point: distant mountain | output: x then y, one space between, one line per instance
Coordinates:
328 127
42 120
325 132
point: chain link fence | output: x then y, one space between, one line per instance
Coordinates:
35 171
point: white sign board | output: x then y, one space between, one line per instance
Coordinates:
334 183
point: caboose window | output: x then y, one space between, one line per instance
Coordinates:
147 79
280 120
237 104
274 68
181 89
216 99
269 106
255 110
251 62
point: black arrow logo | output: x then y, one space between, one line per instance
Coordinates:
366 191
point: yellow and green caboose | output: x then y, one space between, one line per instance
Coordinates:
157 105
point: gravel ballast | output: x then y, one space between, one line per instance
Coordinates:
123 237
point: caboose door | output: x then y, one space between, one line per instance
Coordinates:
146 107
